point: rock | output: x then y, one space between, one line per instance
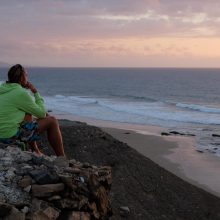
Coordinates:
53 198
25 181
100 194
25 210
79 216
192 135
27 189
15 214
4 209
7 161
10 174
67 203
165 134
215 135
124 211
87 165
175 132
46 190
51 213
27 167
95 212
44 176
68 180
40 215
72 161
38 204
14 195
73 170
61 162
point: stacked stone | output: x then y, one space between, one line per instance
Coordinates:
38 188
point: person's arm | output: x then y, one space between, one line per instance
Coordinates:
27 104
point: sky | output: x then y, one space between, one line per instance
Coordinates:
110 33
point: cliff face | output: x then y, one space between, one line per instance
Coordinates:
33 187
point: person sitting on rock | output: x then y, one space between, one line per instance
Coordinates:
17 108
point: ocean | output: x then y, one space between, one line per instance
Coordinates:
184 100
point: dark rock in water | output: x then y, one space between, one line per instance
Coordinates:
200 151
215 135
180 133
192 135
175 132
215 144
165 134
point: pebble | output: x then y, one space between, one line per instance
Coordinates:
125 209
27 189
25 210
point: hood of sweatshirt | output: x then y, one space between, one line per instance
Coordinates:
8 87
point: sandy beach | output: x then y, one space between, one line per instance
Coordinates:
176 154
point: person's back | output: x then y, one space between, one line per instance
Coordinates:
10 114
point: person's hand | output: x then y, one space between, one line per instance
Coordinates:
31 87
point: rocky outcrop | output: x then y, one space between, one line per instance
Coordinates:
176 133
33 187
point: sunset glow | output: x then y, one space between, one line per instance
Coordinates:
110 33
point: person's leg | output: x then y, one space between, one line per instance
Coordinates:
51 125
34 147
32 144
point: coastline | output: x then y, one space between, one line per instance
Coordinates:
176 154
148 190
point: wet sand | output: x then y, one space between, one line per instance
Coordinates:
177 155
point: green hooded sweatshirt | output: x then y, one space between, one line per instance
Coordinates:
15 102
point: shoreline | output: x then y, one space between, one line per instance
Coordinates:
176 154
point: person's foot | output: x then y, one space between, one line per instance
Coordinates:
34 148
38 152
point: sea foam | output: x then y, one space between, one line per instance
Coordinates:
132 111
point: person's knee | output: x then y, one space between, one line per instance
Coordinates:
52 120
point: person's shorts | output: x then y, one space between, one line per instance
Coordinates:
28 132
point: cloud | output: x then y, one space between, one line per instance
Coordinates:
83 29
102 18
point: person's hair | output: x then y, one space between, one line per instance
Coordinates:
15 73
